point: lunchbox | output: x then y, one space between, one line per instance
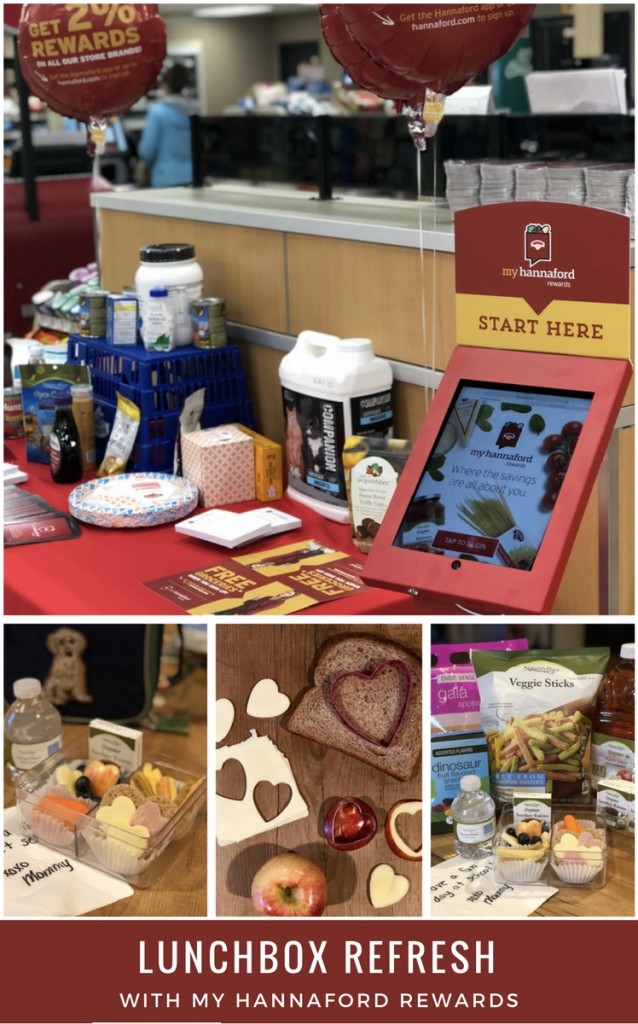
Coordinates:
50 812
572 862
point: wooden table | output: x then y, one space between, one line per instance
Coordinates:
181 890
614 899
323 775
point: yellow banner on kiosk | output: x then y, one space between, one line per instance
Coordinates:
543 277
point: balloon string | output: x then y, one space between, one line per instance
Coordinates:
434 262
424 329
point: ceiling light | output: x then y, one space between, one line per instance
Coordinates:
232 10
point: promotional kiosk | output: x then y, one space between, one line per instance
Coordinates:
488 506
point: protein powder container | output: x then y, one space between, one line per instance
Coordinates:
171 265
332 388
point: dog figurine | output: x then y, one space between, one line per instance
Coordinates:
66 680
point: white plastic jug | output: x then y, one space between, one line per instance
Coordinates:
332 388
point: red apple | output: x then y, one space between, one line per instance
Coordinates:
350 823
395 841
290 885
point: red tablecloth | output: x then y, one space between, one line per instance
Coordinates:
103 571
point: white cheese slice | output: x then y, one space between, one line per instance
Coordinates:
464 416
262 761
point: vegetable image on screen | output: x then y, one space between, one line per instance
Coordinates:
489 516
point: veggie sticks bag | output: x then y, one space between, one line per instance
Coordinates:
535 707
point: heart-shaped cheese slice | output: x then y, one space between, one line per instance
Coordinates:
116 823
224 718
266 700
150 816
385 887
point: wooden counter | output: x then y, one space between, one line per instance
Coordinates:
285 262
614 899
246 654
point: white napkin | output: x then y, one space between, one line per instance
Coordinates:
467 888
40 882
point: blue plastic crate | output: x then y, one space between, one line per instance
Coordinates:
159 383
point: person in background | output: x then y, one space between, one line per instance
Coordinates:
165 145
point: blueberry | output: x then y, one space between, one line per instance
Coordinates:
83 786
510 831
523 839
534 840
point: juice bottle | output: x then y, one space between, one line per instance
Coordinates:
613 722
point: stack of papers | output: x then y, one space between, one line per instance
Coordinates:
13 475
29 519
531 183
566 182
231 529
463 183
606 186
498 181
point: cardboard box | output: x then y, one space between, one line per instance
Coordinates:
221 463
111 742
269 476
616 803
454 755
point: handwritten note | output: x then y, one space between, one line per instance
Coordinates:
40 882
467 888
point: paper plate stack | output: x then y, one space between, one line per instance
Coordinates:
133 500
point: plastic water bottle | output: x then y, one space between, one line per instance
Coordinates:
32 727
473 813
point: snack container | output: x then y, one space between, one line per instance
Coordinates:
518 865
578 854
138 856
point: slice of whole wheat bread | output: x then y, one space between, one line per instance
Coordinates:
371 705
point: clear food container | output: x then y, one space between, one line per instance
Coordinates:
578 853
136 845
520 863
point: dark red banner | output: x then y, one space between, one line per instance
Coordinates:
177 971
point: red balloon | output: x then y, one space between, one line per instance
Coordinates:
439 47
91 60
363 69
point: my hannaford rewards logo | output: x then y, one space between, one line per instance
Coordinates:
537 248
538 243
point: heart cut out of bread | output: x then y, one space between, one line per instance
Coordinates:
373 706
362 705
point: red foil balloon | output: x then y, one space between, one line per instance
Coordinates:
439 46
91 61
363 69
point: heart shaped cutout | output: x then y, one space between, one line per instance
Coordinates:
385 887
266 700
410 826
271 800
224 718
374 706
352 825
116 822
231 780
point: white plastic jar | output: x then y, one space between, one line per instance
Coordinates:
171 265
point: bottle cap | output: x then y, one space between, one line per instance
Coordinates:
82 390
628 652
470 783
25 688
159 293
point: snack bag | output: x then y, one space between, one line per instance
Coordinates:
454 695
122 437
535 711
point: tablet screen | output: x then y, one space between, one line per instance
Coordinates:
494 476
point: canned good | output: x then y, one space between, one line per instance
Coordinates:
209 323
92 313
13 422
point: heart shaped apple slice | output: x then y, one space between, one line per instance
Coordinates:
349 824
394 839
386 887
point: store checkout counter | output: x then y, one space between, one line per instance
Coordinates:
285 262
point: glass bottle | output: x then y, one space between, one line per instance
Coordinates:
613 722
35 353
32 727
64 443
473 814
